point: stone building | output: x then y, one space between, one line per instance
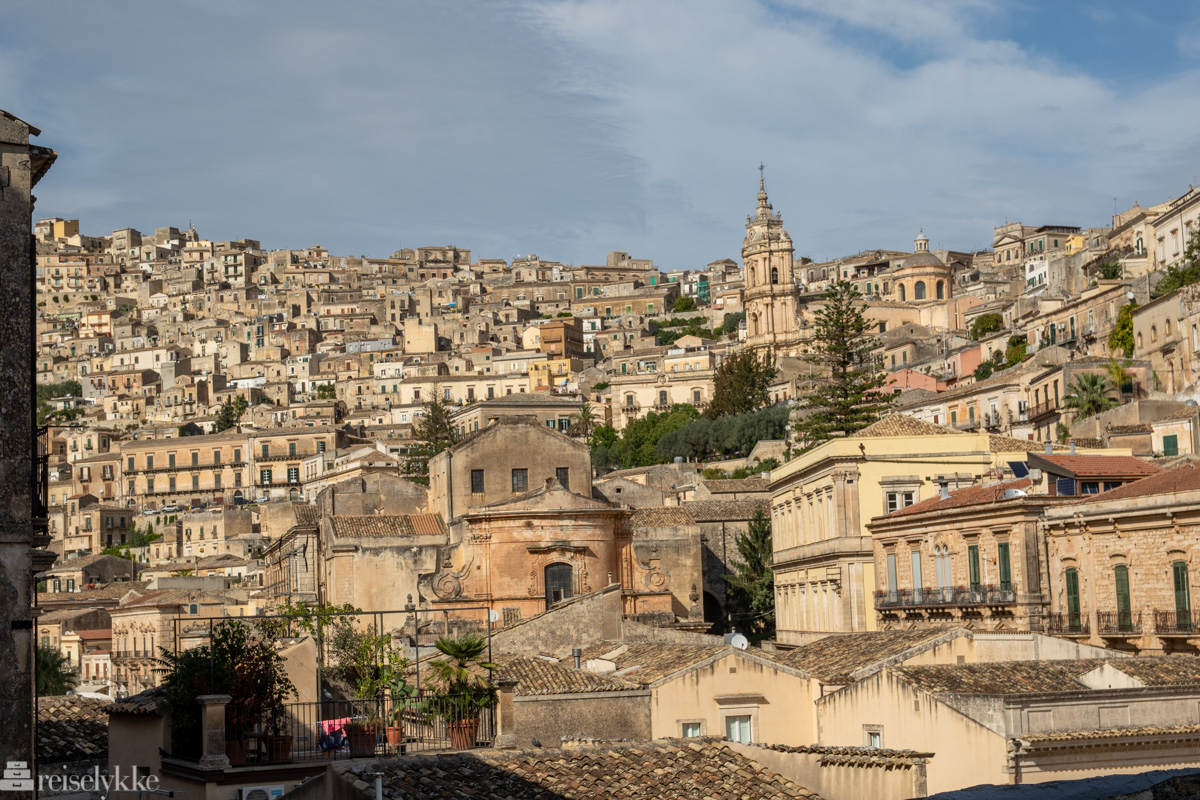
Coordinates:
770 293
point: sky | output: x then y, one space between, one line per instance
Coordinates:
569 129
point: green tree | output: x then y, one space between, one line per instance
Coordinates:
1089 395
436 429
1109 271
1119 374
848 396
1015 350
984 370
985 324
583 422
1121 338
751 600
741 384
54 675
683 304
326 391
1184 272
731 321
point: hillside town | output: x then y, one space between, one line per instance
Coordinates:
606 496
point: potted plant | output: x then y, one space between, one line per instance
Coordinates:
402 693
460 688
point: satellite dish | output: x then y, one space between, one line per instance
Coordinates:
493 615
737 640
1012 494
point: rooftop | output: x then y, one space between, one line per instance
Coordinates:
669 516
540 676
903 425
367 526
833 659
71 728
1098 466
1184 478
1011 677
725 510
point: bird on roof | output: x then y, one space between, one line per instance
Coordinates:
536 743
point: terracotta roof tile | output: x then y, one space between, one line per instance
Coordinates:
1101 466
732 485
382 525
71 729
1160 670
832 659
971 496
644 663
1184 478
149 701
1112 733
537 676
669 516
725 510
665 769
904 425
1010 677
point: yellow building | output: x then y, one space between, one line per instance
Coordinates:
821 502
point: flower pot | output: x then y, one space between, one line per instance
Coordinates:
362 741
236 750
279 748
394 734
462 733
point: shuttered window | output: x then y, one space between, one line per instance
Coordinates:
973 565
1005 565
1074 622
1124 609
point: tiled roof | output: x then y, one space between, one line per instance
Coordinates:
71 729
665 769
1101 466
146 702
1160 670
832 659
669 516
1192 731
1187 412
1089 442
379 525
65 614
732 485
1010 677
971 496
111 591
1118 430
1009 444
646 662
725 510
537 676
1185 478
903 425
307 514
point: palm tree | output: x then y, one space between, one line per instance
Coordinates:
583 423
1090 395
1119 374
54 676
459 676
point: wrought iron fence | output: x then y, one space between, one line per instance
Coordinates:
1178 623
41 475
1068 624
1119 623
356 729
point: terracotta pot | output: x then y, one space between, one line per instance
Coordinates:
236 750
463 733
279 748
362 741
394 734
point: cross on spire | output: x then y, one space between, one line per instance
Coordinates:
761 185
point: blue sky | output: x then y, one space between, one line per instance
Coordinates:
573 128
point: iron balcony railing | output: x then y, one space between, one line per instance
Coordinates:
1119 623
41 478
1177 623
1068 624
946 596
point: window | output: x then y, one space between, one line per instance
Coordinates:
216 457
237 479
195 458
195 483
1005 566
264 476
266 451
875 739
916 570
1124 607
563 474
941 290
891 574
1183 597
559 580
662 398
237 454
130 465
291 448
737 728
692 730
70 584
476 481
973 566
293 475
520 481
171 483
170 460
1171 445
899 500
919 290
193 609
149 462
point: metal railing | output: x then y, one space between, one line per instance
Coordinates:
356 729
41 477
946 596
1177 623
1119 623
1068 624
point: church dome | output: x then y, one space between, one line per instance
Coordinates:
923 259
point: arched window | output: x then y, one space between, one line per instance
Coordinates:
1139 341
1167 328
941 290
753 275
902 293
559 579
774 275
1153 334
919 290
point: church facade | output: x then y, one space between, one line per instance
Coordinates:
772 324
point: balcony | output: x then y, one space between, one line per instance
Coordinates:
1119 624
1068 625
991 419
1041 410
950 596
1177 623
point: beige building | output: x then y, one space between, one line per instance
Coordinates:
770 291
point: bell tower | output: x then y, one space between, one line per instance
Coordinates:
767 267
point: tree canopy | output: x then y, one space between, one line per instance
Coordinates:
725 437
848 393
741 384
683 304
1090 394
985 324
1121 338
1184 272
751 604
230 413
637 445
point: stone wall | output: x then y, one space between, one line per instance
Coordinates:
579 622
590 715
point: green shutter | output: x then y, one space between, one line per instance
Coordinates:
973 563
1005 567
1183 599
1171 445
1124 609
1073 621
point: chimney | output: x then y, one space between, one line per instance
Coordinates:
1049 448
943 490
576 654
1072 447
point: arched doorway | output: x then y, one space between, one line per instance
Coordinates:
559 581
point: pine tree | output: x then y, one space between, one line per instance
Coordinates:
751 601
847 396
741 384
436 429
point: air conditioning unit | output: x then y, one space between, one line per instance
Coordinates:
261 792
